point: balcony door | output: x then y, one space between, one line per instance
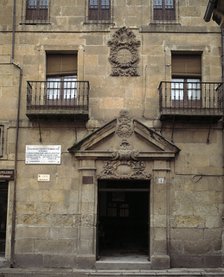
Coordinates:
186 92
186 80
61 86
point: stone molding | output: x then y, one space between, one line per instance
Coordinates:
125 132
124 55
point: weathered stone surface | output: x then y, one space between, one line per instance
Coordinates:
56 221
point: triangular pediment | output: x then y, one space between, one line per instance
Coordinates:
125 137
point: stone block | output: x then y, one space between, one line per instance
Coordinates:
34 219
189 261
191 234
176 247
85 262
62 220
213 261
57 247
189 221
94 40
160 262
63 233
213 222
24 245
198 247
159 233
159 246
86 246
32 232
58 261
29 260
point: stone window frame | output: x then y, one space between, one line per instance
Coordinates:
98 21
174 20
34 21
48 49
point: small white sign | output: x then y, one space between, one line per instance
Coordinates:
43 177
161 180
43 154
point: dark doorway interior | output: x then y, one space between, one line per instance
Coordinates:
123 216
3 215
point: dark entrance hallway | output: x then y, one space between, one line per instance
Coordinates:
123 216
3 215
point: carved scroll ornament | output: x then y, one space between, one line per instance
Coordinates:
124 53
124 170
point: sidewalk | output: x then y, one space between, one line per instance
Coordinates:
177 272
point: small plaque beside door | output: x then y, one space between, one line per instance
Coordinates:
87 180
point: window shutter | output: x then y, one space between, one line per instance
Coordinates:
61 64
186 65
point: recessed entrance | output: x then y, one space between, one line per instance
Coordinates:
123 217
3 215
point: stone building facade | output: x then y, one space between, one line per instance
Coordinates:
111 133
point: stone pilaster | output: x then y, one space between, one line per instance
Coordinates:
87 228
160 258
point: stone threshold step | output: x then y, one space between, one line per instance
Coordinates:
155 273
115 265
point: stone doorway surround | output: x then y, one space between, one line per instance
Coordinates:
125 148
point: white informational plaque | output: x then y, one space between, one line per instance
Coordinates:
43 154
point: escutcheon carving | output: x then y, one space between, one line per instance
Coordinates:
124 170
125 152
125 126
124 163
124 56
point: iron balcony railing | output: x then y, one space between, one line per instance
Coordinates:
191 98
51 97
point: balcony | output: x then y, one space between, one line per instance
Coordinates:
58 100
191 100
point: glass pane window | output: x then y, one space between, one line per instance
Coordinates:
32 4
105 4
37 4
93 4
164 10
169 4
157 4
53 88
194 89
99 10
43 4
70 89
177 89
37 10
63 88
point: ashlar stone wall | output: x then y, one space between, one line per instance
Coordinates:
51 230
